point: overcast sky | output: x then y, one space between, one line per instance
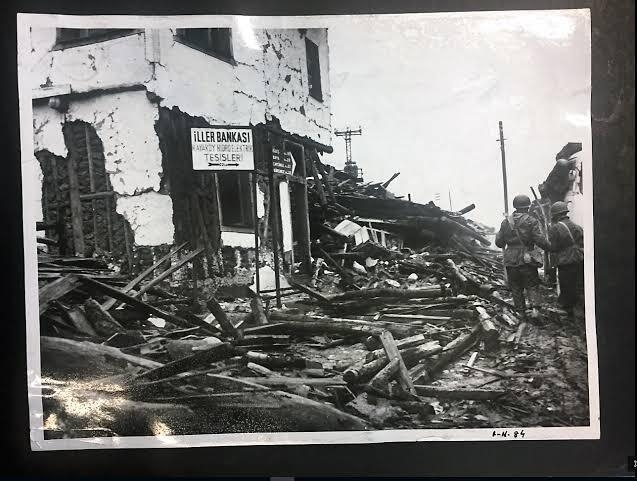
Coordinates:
429 90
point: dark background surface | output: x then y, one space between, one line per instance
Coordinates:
613 110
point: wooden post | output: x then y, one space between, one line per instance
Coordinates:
91 179
76 207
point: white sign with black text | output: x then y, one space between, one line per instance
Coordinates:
222 149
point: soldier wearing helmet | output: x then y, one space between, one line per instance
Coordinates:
567 243
519 235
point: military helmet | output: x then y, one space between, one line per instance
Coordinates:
559 208
521 201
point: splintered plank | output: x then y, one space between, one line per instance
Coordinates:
131 285
310 292
476 394
216 353
144 306
222 318
56 289
389 344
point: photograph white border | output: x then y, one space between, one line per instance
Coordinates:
28 164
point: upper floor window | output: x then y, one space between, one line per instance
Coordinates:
66 37
313 69
213 41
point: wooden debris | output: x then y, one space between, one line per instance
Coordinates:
389 344
458 393
435 291
143 275
143 306
259 369
100 319
490 332
256 304
56 289
220 316
67 359
404 343
294 381
216 353
381 379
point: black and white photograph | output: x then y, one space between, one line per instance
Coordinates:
300 230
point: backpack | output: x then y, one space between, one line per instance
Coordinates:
579 252
531 257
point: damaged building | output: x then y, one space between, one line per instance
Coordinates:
112 114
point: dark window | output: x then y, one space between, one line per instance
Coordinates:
213 41
313 69
83 36
235 199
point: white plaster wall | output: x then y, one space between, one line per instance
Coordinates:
125 123
100 65
269 79
150 215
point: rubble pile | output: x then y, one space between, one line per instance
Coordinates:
404 322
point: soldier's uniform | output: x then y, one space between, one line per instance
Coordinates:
519 234
567 244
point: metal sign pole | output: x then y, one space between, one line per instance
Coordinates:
256 232
274 217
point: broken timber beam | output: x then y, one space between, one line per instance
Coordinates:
56 289
435 291
389 344
144 307
216 353
381 379
222 318
131 285
490 332
460 393
169 271
310 292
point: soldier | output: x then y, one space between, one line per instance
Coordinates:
567 242
518 236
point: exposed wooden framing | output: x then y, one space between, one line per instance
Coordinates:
97 195
129 253
76 205
91 179
107 200
169 271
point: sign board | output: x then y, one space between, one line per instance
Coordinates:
282 163
222 148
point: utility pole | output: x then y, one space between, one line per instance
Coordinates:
450 204
504 170
504 184
350 166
